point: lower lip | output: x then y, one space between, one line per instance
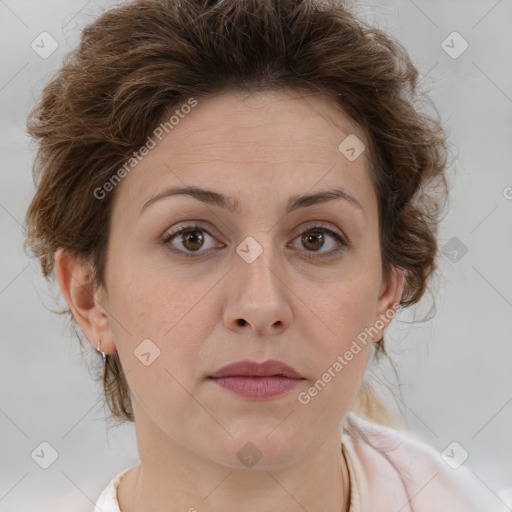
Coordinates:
258 388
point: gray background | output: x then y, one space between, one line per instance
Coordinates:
454 369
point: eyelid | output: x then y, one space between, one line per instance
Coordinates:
191 226
321 224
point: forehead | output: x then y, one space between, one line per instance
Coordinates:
297 122
285 140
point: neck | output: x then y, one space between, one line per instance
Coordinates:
173 478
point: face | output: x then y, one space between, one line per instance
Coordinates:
251 279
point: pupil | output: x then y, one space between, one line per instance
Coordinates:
318 236
191 237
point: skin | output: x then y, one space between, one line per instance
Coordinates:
261 149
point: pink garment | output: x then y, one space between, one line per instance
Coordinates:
395 473
390 473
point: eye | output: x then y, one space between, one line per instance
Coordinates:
191 239
315 238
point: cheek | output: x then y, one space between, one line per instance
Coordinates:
154 311
159 346
337 330
340 356
345 306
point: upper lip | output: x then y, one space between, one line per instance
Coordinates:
248 368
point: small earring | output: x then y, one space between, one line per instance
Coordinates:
102 353
380 345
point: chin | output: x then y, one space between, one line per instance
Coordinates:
258 450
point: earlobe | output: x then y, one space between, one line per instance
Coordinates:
75 282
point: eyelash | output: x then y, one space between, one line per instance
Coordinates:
342 244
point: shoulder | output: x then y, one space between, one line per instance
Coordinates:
408 474
107 501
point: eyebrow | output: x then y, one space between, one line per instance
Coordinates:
231 204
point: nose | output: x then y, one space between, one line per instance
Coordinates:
259 295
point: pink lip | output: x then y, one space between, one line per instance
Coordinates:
258 381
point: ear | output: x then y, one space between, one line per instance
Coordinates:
389 296
86 304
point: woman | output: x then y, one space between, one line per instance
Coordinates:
235 198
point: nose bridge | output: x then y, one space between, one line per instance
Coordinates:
257 252
259 265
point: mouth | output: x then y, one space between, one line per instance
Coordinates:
257 381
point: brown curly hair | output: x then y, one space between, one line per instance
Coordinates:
140 59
